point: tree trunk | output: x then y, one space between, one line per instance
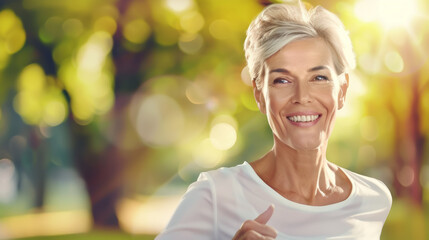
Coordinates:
102 172
409 150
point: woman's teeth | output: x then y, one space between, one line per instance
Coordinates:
303 118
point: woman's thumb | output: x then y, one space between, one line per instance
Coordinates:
265 216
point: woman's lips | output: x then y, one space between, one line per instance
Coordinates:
304 119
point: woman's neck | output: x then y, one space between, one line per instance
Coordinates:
303 176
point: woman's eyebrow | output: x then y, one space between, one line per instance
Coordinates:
313 69
280 70
322 67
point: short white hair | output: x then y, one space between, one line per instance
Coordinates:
280 24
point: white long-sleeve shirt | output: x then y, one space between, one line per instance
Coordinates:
217 204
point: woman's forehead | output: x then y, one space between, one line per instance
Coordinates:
304 54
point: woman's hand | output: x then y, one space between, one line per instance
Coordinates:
256 229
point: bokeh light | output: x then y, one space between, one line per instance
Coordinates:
220 29
197 93
136 31
369 63
90 82
206 155
190 43
51 30
406 176
367 154
192 22
7 180
223 136
369 128
160 120
106 24
36 101
12 32
73 27
12 35
394 62
91 56
179 5
245 76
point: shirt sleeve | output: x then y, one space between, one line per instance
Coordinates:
195 217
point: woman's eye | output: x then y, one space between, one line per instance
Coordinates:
280 81
321 78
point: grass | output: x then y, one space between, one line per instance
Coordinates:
95 235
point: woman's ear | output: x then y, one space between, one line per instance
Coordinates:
343 91
259 97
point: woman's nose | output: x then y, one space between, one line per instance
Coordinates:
301 93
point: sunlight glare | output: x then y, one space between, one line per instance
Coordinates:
147 214
179 5
397 12
388 13
48 224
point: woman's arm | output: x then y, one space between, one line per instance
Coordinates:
195 217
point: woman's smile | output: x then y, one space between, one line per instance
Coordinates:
304 119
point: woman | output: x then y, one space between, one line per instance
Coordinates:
298 61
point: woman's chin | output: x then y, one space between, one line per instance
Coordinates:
305 144
307 147
301 142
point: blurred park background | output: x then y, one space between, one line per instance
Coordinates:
110 108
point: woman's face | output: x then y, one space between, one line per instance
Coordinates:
301 94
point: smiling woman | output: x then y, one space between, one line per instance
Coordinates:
298 62
303 92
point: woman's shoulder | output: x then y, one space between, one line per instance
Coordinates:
365 180
226 173
369 186
228 182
